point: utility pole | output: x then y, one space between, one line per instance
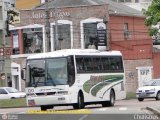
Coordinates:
47 28
56 30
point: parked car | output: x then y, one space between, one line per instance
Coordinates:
150 90
11 93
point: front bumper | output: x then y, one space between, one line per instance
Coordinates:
48 100
145 94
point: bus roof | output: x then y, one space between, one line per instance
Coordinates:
67 52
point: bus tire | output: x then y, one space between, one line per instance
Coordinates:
111 101
45 107
80 102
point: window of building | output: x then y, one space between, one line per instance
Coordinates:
15 39
64 36
136 1
126 26
1 36
90 34
1 15
128 1
114 0
126 31
33 40
121 0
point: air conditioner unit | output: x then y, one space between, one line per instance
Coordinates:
127 34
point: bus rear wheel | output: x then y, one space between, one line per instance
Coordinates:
111 101
80 102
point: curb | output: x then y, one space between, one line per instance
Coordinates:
13 107
154 110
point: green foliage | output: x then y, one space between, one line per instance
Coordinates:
130 95
153 31
152 15
21 102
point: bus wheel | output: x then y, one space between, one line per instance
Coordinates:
80 103
111 101
45 107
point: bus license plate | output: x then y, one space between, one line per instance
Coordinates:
142 94
31 102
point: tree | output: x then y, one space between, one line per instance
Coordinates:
152 15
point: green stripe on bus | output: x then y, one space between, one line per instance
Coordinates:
99 82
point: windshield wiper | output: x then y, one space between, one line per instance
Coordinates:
36 83
53 83
50 80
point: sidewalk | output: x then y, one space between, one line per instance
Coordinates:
154 110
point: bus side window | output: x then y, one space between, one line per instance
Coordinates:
96 64
80 64
116 64
105 63
88 64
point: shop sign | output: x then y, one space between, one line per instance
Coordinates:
58 14
101 34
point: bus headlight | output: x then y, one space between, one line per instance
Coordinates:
62 93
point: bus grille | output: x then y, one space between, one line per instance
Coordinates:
44 94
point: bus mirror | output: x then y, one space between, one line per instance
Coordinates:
23 74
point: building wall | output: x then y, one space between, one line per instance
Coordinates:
136 49
136 27
138 45
131 72
156 64
5 43
22 62
27 4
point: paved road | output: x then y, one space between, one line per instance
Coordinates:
123 110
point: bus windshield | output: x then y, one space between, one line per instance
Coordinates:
48 72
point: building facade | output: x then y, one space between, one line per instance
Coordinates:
74 25
136 47
5 43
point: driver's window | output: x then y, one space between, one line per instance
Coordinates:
71 71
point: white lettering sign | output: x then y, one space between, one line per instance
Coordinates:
58 14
